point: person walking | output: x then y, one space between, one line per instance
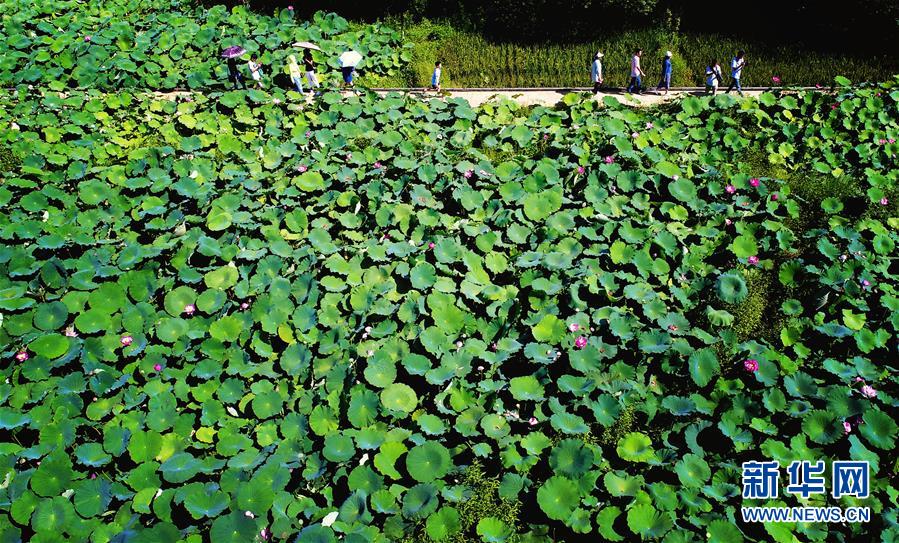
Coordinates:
596 72
255 70
234 74
713 77
348 72
636 83
665 83
736 71
295 75
435 77
309 64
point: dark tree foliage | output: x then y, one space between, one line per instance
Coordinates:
867 26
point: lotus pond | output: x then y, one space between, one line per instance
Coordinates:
237 317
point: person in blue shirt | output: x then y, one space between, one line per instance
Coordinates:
736 71
665 83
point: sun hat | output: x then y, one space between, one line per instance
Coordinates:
599 54
667 53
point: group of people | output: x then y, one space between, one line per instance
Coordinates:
635 84
293 68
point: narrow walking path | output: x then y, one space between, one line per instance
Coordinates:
539 96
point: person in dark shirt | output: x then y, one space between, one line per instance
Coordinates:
309 64
234 74
665 83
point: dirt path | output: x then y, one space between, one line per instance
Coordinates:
527 97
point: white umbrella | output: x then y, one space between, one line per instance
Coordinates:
350 59
307 45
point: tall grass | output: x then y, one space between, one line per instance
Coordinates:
471 61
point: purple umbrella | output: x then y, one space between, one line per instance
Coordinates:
233 51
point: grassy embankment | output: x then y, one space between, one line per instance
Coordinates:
471 61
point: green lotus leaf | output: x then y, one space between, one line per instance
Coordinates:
731 288
203 501
558 497
571 458
92 454
443 524
50 345
221 278
635 447
692 470
53 476
744 246
50 316
420 501
233 528
180 467
338 448
879 429
646 521
428 461
550 329
399 397
493 530
822 426
703 366
178 299
526 388
722 531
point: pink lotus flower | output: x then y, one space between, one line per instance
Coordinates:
308 133
728 222
480 368
493 346
127 340
245 305
754 182
265 534
431 245
87 39
22 355
276 101
847 427
776 80
859 379
70 332
545 137
833 106
93 475
884 201
532 421
302 168
892 140
730 189
468 174
753 260
580 342
774 197
157 367
349 156
866 283
648 126
378 165
635 135
289 8
869 392
817 85
459 344
881 141
190 309
672 327
609 159
580 170
751 365
574 327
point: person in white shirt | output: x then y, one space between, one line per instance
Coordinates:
596 72
636 83
255 70
435 77
713 77
736 71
